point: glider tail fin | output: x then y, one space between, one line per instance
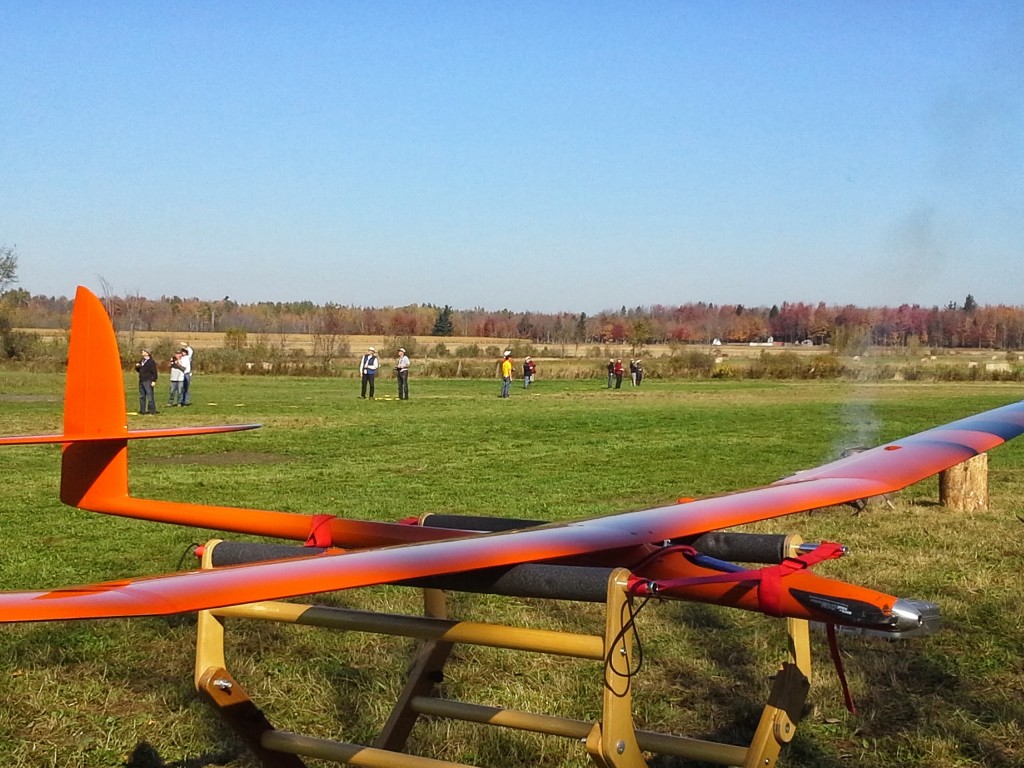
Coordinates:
94 404
94 460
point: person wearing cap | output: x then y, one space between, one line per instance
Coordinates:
611 372
147 383
402 369
185 361
529 369
177 380
506 374
368 367
639 371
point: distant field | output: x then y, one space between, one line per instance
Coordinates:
358 343
118 693
728 352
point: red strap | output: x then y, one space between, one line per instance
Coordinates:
320 531
769 593
769 596
837 660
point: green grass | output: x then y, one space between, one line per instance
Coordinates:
117 692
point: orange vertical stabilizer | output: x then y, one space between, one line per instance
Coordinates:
94 460
94 408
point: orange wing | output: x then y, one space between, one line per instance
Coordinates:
612 540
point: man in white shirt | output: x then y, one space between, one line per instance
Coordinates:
185 361
368 368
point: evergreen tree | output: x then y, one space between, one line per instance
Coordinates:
580 334
443 325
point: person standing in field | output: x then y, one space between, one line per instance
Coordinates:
177 378
506 374
632 372
618 370
185 361
402 369
639 371
147 383
368 366
529 369
611 372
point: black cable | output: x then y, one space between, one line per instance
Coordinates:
629 623
189 550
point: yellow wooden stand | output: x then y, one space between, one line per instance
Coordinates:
612 741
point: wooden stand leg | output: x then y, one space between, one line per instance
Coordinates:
425 674
612 742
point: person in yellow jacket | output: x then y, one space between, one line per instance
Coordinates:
506 374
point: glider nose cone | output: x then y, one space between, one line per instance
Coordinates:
914 617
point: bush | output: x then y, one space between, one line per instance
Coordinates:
235 338
826 366
18 345
790 365
470 350
391 344
691 363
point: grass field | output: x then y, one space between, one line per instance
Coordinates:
119 693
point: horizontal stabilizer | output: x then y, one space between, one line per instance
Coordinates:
128 434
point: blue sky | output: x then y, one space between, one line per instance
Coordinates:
536 156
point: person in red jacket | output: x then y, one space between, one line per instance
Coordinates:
618 370
529 371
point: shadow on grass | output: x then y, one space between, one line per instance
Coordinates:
947 698
145 755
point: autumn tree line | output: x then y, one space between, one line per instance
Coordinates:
847 329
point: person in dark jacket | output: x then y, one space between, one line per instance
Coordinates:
402 371
529 371
147 383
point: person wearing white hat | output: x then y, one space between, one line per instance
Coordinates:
402 369
368 368
529 370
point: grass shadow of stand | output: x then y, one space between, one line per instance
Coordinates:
145 755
